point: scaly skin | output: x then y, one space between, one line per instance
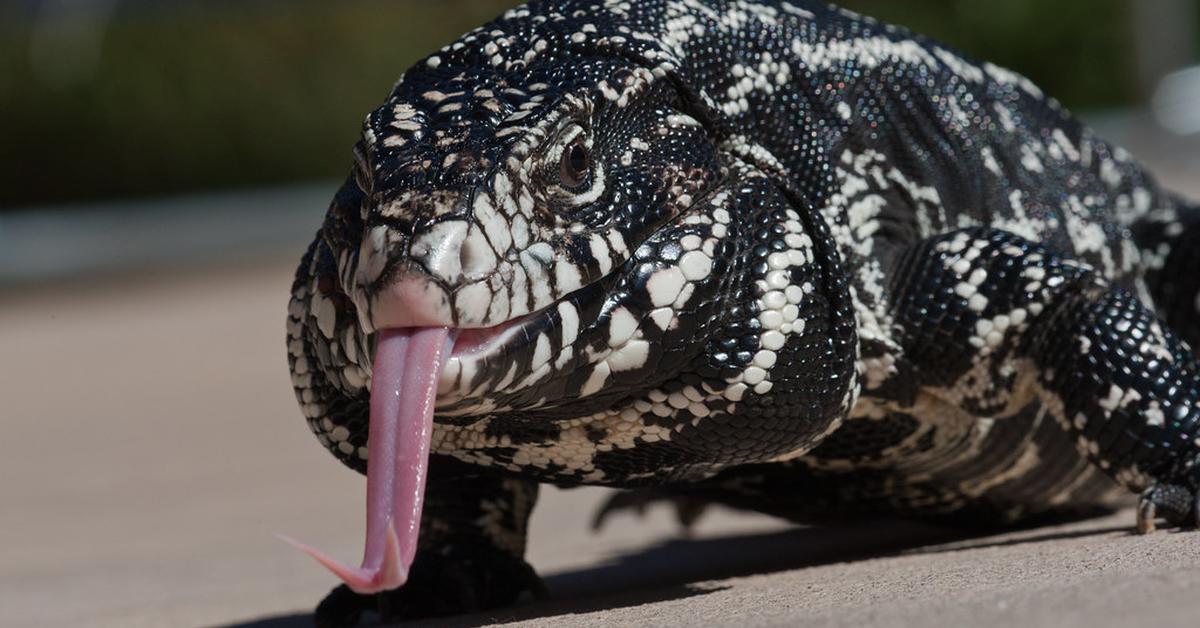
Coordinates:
771 253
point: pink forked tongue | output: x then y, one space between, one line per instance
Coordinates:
404 382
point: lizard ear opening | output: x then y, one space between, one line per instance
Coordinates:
362 169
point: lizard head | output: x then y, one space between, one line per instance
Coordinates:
545 261
505 205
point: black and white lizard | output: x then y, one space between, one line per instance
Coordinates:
770 254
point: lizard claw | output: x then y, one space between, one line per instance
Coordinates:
1174 503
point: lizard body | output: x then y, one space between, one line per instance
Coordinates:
772 254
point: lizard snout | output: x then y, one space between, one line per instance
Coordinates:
425 279
411 301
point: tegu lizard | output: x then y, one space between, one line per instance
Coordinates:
769 254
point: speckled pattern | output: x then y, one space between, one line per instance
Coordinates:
772 253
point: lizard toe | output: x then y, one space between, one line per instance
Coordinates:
1176 504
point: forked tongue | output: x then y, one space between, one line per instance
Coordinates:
404 382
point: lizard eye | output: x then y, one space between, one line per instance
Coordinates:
570 169
575 166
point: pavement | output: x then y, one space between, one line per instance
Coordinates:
150 448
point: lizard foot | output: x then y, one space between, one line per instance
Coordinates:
688 510
1177 504
445 582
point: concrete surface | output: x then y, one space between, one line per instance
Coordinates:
150 447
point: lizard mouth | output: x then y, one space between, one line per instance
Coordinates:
477 348
414 301
474 342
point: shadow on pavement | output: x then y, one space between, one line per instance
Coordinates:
669 570
1030 540
682 561
680 569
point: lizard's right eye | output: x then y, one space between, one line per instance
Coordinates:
576 164
570 165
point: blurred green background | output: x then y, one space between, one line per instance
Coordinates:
106 99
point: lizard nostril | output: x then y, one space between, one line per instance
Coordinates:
475 256
437 250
